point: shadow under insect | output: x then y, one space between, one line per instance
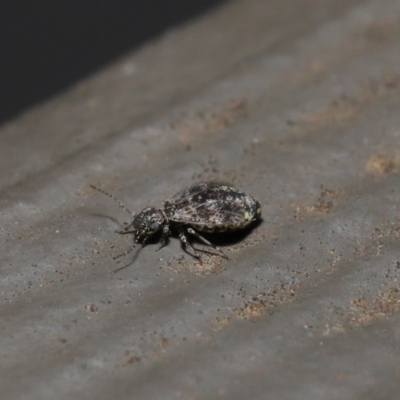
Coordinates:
230 238
217 239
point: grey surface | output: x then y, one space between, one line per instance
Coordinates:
296 103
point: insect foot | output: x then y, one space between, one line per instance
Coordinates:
209 207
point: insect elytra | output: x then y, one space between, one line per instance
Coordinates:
203 207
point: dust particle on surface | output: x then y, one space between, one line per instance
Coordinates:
366 311
382 164
324 205
91 308
210 120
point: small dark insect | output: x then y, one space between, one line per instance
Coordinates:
204 207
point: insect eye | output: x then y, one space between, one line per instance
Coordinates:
154 224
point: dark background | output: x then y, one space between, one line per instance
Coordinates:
48 45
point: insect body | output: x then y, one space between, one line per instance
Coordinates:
203 207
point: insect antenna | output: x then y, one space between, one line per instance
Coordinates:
123 206
125 253
122 255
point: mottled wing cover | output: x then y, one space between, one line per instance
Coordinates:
183 195
212 207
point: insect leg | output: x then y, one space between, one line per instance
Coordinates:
187 245
191 231
166 233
